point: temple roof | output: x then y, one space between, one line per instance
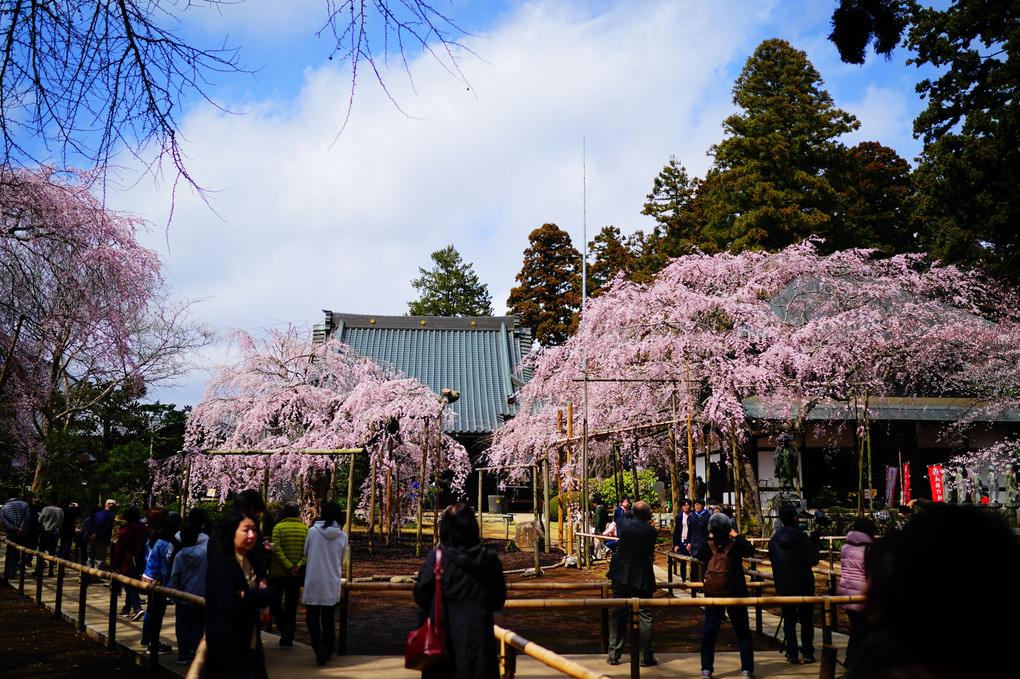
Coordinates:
479 357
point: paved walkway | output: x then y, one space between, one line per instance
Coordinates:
298 661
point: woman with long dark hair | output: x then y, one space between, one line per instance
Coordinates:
472 589
236 590
325 548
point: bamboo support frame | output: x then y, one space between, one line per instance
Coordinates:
544 655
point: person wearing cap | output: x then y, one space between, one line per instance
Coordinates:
99 538
721 533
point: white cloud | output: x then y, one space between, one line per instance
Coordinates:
310 224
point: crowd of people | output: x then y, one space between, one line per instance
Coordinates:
249 580
914 621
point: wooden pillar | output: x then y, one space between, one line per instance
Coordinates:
371 504
481 509
350 514
421 490
547 527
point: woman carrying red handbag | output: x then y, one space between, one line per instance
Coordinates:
472 588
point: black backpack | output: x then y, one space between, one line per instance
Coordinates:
718 576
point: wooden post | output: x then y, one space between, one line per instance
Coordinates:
389 509
674 478
421 489
633 473
400 513
371 505
111 627
350 515
604 621
39 563
331 495
83 593
570 435
435 477
343 608
547 527
185 484
828 664
481 510
635 638
58 605
690 444
265 484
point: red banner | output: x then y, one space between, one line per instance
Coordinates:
935 479
905 482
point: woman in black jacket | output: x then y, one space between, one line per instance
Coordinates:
472 588
236 590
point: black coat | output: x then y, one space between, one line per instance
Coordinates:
472 588
231 618
632 563
697 532
792 554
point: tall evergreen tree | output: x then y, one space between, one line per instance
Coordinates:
671 204
610 256
770 184
451 288
875 188
968 206
548 294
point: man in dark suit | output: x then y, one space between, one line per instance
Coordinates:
632 576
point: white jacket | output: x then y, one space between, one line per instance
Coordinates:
324 551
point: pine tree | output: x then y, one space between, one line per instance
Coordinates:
770 184
875 188
451 288
549 292
672 204
609 257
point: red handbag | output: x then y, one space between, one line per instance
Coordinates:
427 644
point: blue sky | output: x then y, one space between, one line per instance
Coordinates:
301 220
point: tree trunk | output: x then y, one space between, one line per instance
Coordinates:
749 487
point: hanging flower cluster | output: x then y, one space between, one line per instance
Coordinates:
793 328
291 399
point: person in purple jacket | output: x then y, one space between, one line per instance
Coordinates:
853 579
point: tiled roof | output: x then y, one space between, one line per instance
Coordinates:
883 408
479 357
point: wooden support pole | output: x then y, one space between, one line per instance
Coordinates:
111 626
350 515
435 478
371 505
828 664
58 604
389 509
546 526
635 637
481 510
421 490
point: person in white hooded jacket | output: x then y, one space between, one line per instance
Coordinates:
325 548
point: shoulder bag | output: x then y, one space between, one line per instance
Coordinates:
427 644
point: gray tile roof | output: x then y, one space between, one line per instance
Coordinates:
883 408
479 357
